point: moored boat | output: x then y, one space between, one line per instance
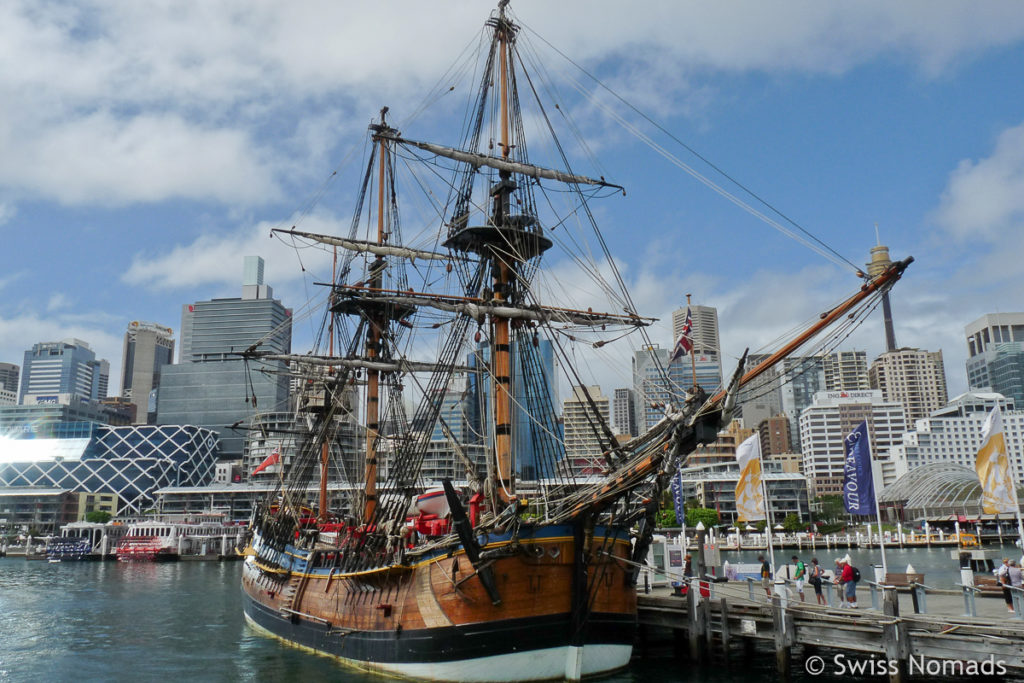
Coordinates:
169 538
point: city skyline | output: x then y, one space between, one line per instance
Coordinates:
146 151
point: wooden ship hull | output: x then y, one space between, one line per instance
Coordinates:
567 607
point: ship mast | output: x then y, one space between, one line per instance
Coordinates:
504 476
373 338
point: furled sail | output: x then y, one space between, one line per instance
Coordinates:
476 160
364 246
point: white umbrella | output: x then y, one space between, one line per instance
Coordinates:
779 527
750 528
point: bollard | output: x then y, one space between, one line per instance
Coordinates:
1017 595
920 598
970 610
826 588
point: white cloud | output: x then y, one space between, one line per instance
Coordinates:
216 259
113 103
99 159
984 199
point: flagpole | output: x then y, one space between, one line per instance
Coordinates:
881 541
693 351
767 508
878 512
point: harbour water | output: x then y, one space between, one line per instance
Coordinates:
110 621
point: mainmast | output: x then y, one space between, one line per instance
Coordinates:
373 337
506 242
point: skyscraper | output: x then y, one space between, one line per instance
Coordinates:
534 431
211 386
658 382
624 412
846 371
761 398
148 347
995 347
66 367
914 378
804 378
705 328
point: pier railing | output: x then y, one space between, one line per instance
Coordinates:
724 613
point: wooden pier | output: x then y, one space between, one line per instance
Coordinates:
808 636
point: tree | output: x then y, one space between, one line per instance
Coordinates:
667 518
830 508
792 523
98 516
706 515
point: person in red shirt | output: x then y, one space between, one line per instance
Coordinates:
845 579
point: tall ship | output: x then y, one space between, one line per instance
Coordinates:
524 566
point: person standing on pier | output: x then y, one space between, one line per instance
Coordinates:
1003 578
766 575
846 580
816 575
801 575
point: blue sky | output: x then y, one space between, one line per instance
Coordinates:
147 147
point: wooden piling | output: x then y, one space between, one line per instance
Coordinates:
723 611
895 638
784 630
698 624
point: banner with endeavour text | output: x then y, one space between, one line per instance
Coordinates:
676 487
998 494
858 482
750 503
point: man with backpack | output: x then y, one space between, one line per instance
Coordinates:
800 576
848 579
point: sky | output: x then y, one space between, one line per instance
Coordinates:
145 148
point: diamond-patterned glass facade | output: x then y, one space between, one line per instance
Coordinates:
132 462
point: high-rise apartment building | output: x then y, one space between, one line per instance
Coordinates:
912 377
995 347
846 371
624 412
66 367
148 347
827 422
585 440
211 386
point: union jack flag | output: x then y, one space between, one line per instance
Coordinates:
685 343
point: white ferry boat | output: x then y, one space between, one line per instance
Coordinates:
172 537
